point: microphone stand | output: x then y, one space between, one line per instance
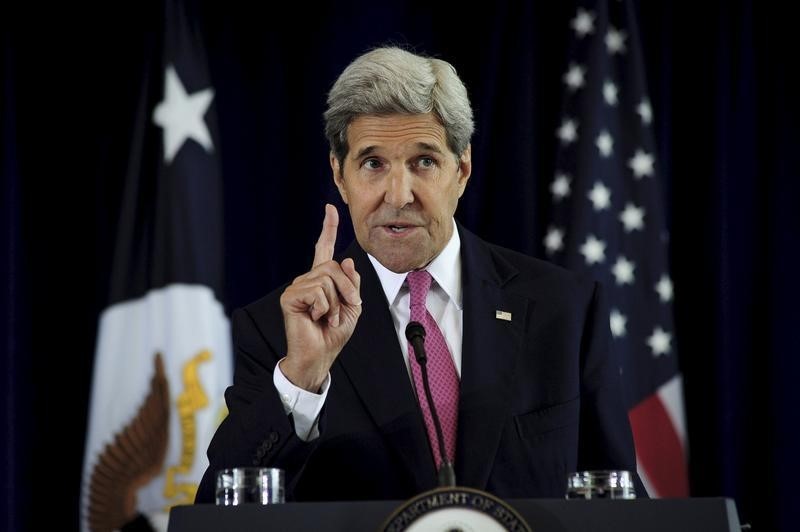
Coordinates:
415 334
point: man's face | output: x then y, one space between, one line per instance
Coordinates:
402 185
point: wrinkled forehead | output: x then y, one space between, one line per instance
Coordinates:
395 132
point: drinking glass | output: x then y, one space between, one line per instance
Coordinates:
600 485
244 485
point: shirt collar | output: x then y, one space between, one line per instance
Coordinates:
445 269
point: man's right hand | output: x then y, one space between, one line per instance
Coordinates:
320 311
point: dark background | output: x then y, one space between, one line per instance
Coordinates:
727 125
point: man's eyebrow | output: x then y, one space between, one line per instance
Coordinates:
422 146
429 147
367 150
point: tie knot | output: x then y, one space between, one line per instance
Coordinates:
419 282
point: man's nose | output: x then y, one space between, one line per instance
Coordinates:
399 191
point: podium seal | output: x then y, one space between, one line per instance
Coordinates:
455 510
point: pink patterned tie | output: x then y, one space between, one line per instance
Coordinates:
441 370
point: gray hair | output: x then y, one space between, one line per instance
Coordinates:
395 81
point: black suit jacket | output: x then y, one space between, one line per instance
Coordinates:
540 394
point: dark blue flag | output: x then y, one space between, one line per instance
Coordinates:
163 356
608 219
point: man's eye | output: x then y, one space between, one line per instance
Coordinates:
372 164
427 162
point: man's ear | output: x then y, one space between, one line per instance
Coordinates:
338 176
464 169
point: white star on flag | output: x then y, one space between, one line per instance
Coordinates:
623 270
583 23
664 289
554 241
615 41
600 196
568 132
593 250
644 111
605 143
574 78
181 115
618 323
560 186
642 164
610 92
632 218
659 342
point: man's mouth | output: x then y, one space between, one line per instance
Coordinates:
399 228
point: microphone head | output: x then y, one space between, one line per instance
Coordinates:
414 329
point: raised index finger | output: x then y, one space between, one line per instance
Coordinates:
323 251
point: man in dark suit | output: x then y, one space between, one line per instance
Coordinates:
326 386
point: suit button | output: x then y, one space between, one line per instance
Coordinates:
256 461
273 437
267 446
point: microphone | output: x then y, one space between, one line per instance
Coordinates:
415 334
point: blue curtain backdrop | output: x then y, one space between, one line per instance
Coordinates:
726 118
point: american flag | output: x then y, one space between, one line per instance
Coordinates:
608 219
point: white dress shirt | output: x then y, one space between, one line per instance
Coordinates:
443 302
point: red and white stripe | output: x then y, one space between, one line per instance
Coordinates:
659 433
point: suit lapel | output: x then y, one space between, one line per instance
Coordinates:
375 366
489 349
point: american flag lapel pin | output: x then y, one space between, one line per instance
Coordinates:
502 315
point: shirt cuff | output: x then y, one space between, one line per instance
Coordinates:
302 405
